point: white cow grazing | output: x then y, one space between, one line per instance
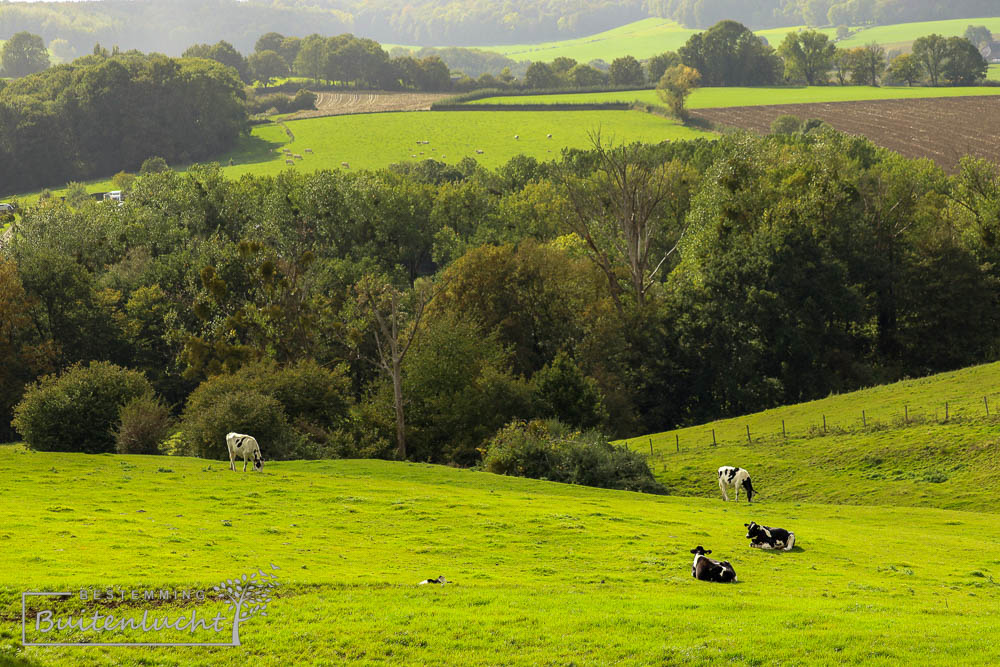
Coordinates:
735 477
245 446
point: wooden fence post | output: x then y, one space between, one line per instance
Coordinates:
651 447
783 434
677 438
824 423
713 437
906 414
986 402
749 441
864 420
946 410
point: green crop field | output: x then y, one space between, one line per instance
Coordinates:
640 39
902 35
711 98
994 73
890 444
542 573
371 141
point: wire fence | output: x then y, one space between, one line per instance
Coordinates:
761 430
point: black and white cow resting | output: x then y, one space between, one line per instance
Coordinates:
245 446
765 537
706 569
735 477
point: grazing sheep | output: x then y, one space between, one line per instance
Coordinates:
291 162
413 155
516 137
297 156
345 165
479 152
245 446
309 150
548 136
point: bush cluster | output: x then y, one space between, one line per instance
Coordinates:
281 103
79 409
553 451
295 411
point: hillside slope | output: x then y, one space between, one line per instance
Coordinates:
884 445
544 573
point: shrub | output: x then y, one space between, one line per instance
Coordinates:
78 410
153 165
299 410
206 425
550 450
786 124
144 423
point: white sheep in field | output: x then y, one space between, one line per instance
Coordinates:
297 156
548 136
309 150
345 165
479 151
291 162
516 137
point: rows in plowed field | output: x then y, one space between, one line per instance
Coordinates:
943 129
338 104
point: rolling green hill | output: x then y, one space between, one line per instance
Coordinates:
543 573
902 35
885 445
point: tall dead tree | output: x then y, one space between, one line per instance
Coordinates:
629 211
394 318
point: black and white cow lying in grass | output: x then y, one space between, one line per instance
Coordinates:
735 477
245 446
706 569
765 537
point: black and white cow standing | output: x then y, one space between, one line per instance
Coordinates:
245 446
735 477
765 537
705 569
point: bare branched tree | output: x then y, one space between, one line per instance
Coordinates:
630 212
394 317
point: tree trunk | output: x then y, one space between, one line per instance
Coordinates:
397 390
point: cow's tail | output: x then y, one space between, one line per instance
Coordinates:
791 542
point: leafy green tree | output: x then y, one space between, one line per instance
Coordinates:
540 76
269 41
729 54
904 67
931 51
674 87
583 76
565 393
964 65
808 55
626 71
23 54
867 64
265 66
979 35
658 64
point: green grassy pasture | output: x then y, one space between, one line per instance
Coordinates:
993 73
371 141
544 573
711 98
902 35
885 445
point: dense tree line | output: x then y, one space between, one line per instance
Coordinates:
434 304
106 113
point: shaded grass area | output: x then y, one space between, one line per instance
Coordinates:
885 445
544 573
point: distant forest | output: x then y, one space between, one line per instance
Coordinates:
171 26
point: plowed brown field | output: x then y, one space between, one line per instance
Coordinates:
339 104
943 129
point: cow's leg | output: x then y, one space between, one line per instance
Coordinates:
232 461
722 487
244 462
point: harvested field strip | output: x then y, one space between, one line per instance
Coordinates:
339 104
943 130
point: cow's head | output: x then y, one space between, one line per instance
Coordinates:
754 531
698 551
748 487
258 461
